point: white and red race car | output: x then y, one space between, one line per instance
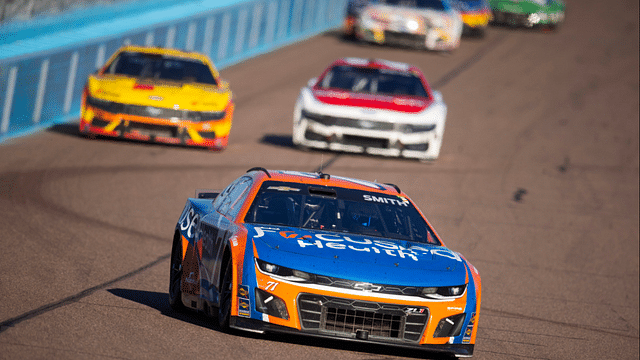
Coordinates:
376 107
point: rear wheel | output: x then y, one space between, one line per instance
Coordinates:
226 288
175 276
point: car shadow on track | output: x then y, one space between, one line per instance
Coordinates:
285 141
160 302
71 129
278 140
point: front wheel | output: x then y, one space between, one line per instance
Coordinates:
226 288
175 277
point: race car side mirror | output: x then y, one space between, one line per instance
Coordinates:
207 194
437 96
312 82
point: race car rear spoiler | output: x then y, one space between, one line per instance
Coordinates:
207 193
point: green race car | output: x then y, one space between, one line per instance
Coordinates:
528 13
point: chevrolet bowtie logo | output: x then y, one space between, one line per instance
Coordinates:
367 287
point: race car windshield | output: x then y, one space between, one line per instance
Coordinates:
159 67
341 210
420 4
373 81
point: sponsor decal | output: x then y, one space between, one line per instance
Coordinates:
153 111
395 65
191 279
189 222
282 188
367 124
367 287
297 173
244 307
409 102
243 291
155 98
412 310
359 182
454 308
356 61
381 199
467 333
342 242
271 285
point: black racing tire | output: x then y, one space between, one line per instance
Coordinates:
175 276
226 289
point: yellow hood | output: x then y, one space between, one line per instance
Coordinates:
166 94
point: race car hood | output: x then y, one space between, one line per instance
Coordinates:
357 257
394 16
404 104
527 6
176 95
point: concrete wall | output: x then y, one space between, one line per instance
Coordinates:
42 77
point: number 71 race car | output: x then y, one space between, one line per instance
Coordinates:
322 255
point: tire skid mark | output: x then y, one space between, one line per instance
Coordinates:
484 50
510 341
534 334
27 187
511 355
551 269
507 314
446 79
74 298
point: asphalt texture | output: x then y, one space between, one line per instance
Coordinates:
537 185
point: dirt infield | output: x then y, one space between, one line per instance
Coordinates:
537 186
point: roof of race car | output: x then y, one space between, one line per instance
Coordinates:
323 179
165 51
377 64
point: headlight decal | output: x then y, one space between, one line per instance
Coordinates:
450 326
270 304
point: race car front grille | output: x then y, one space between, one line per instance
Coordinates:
98 122
513 19
151 129
346 317
348 122
153 111
404 39
365 142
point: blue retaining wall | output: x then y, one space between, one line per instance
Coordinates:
41 78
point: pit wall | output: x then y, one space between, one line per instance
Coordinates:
42 77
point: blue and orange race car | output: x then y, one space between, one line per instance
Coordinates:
322 255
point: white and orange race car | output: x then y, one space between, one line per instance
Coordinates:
327 256
425 24
370 106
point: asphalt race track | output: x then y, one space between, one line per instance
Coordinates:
537 185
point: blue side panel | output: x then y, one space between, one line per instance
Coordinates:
249 282
33 95
471 306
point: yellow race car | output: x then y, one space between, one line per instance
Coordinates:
161 95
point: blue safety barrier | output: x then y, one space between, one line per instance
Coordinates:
43 85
